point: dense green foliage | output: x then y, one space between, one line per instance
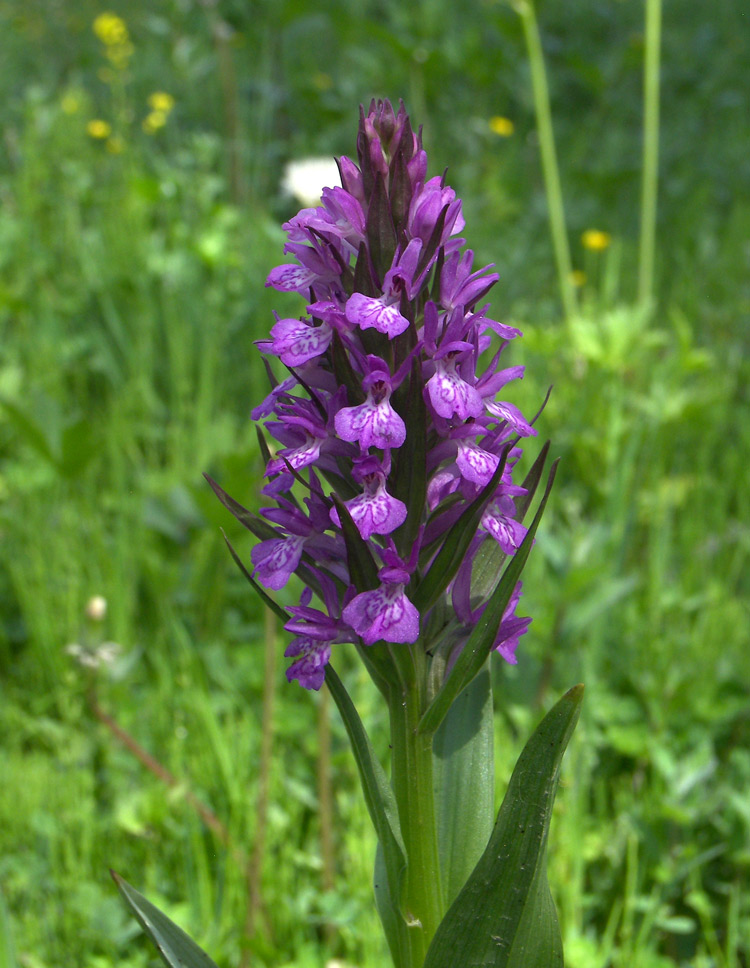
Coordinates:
132 269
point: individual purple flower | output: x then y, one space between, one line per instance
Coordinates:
513 417
459 286
427 206
296 342
384 614
276 559
511 629
450 394
311 658
374 511
475 463
373 423
381 313
499 521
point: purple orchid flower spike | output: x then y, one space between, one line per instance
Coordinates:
387 409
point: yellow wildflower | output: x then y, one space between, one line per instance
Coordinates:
99 129
111 30
154 121
161 101
578 277
501 126
596 240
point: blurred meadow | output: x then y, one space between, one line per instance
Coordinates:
141 203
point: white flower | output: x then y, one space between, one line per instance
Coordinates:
306 179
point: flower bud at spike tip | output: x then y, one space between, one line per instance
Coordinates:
384 399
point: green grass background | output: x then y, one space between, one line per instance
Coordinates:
131 290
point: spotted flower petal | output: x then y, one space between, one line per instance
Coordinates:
385 614
276 559
450 395
311 658
296 342
367 312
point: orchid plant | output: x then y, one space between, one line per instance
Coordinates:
392 497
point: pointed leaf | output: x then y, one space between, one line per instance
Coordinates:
455 545
249 519
464 783
479 644
379 797
175 947
274 606
381 234
363 281
408 477
344 372
401 192
263 444
428 251
504 916
363 571
531 482
490 557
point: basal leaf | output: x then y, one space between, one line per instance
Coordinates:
464 783
177 950
504 916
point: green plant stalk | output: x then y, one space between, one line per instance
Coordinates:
550 169
412 779
650 172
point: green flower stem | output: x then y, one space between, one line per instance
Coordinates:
550 170
650 174
422 899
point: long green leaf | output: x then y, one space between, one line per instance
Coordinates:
463 776
177 950
504 916
490 557
456 543
531 482
381 803
247 518
479 644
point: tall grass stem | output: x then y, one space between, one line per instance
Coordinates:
650 174
550 169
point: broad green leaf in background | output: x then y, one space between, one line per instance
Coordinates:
175 947
464 783
504 916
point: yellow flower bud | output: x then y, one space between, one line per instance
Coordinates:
501 126
596 240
